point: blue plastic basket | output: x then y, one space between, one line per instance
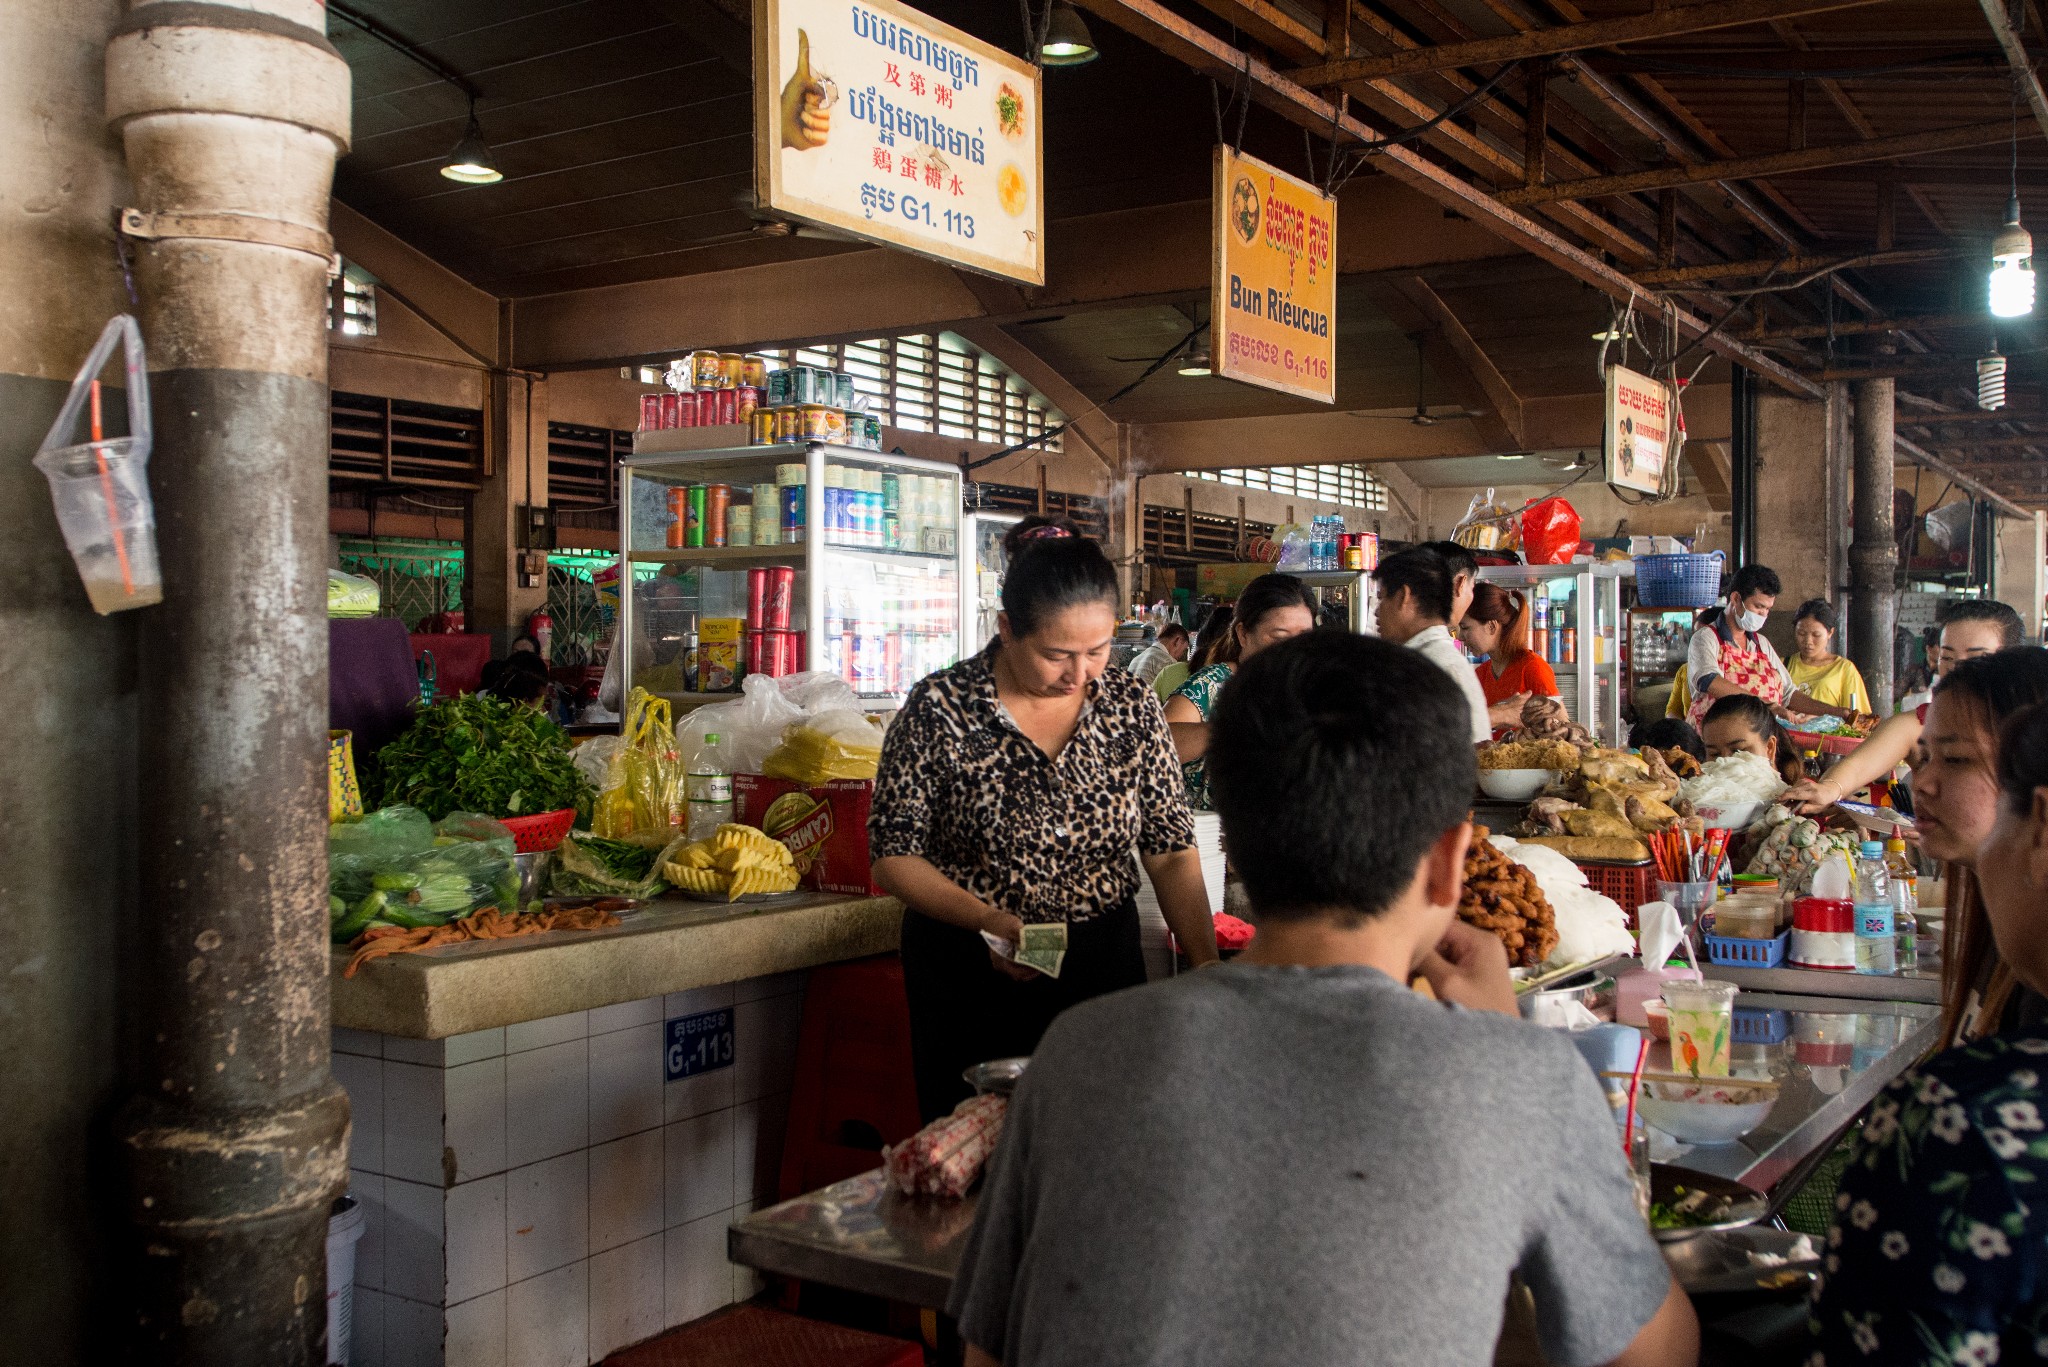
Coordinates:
1760 1027
1678 581
1734 951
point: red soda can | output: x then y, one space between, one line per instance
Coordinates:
757 653
745 400
728 407
757 590
780 588
670 405
686 408
650 412
789 652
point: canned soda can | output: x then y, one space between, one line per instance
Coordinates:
779 589
776 389
767 515
671 404
754 371
785 655
717 498
687 409
789 423
650 412
678 514
732 370
704 369
728 407
873 427
761 427
803 385
746 401
792 513
757 653
842 385
693 530
757 597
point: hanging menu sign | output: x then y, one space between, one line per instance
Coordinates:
875 120
1638 430
1273 301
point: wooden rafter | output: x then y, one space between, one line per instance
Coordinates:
1770 164
1658 23
2018 59
1788 267
1853 327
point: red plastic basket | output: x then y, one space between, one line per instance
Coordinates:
1630 885
532 834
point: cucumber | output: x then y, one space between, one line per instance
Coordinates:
353 924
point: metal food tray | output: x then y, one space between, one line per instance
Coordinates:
1749 1204
1719 1262
1553 977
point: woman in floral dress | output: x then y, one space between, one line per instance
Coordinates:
1939 1253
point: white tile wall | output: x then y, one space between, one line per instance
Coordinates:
537 1195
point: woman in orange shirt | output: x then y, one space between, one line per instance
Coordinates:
1497 627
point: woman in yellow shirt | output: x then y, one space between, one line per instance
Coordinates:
1816 670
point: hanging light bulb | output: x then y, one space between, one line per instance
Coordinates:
471 162
1991 380
2012 267
1067 40
1196 362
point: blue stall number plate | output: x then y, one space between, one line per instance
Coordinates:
698 1044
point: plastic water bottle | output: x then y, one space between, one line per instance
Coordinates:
1905 903
710 789
1876 949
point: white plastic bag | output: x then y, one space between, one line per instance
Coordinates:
748 728
101 486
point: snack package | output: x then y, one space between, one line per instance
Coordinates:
831 745
947 1156
824 825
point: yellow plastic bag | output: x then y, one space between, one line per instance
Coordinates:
644 798
831 745
344 794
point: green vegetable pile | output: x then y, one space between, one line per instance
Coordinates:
472 753
592 866
394 868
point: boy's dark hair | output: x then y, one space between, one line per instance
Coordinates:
2011 629
1336 761
1820 610
1053 567
1459 558
1755 579
1669 733
1172 631
1756 714
1424 573
1217 643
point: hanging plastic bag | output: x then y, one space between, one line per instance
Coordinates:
1550 532
1486 526
643 798
101 487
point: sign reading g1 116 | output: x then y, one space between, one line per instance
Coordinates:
888 125
1273 304
696 1044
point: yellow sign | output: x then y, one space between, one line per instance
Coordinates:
875 120
1273 303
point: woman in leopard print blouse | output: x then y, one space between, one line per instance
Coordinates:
1013 788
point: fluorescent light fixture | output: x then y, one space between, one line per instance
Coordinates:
470 162
1197 363
1609 334
1507 457
1067 40
2012 267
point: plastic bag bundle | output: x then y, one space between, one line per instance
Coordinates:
945 1157
643 797
831 745
1487 525
395 868
351 595
591 866
747 728
1550 532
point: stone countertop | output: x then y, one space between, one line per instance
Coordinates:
671 946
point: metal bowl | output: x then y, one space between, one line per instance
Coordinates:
1745 1205
998 1075
533 869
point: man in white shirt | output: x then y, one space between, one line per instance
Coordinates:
1170 648
1416 602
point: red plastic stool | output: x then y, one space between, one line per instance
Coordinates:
854 1089
753 1336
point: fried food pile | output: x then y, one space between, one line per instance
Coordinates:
1607 802
1501 896
1560 755
737 861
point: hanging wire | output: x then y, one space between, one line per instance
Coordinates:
1360 152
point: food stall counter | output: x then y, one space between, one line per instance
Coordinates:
673 945
1831 1059
1914 985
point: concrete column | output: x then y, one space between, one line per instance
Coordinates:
2021 566
505 589
67 786
231 116
1873 554
1793 534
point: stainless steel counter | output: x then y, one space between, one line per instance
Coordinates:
1920 985
1833 1057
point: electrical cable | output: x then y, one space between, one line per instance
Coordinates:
1153 369
1360 152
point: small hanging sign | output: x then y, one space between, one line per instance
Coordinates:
1273 302
1637 434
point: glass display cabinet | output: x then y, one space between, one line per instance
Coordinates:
1576 624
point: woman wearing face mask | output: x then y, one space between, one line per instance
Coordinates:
1272 608
1940 1232
1013 788
1729 654
1970 628
1741 724
1954 804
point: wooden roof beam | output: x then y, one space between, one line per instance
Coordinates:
1788 267
1658 23
1860 326
1770 164
2016 57
1210 55
1455 356
1928 460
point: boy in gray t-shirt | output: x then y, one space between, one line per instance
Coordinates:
1294 1158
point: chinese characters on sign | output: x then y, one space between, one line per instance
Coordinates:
1273 302
890 126
1638 430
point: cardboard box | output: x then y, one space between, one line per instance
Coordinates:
825 827
718 654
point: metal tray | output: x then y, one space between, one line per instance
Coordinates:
1748 1205
746 899
1557 977
998 1075
1720 1262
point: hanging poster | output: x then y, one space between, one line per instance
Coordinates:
1273 301
1638 430
877 121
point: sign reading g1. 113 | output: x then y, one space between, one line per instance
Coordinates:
696 1044
1273 303
887 125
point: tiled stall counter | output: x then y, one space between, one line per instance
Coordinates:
539 1194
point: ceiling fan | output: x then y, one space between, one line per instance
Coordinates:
1423 416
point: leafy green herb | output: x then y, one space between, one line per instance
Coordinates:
474 753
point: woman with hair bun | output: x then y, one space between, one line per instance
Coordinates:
1013 788
1496 628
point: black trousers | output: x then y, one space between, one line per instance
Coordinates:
964 1012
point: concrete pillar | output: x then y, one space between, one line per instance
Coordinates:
1874 553
2021 566
507 588
235 1141
67 786
1793 534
